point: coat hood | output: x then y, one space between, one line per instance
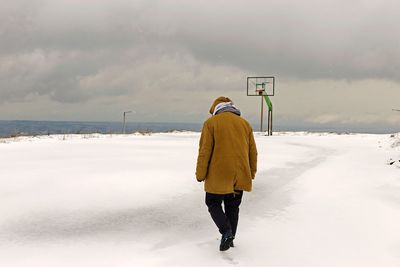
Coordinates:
217 101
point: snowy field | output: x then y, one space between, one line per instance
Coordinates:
101 200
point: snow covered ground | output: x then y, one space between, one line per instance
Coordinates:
100 200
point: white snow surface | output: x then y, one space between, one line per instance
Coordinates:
133 200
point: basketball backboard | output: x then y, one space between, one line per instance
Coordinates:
260 86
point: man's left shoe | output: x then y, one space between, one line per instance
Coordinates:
226 242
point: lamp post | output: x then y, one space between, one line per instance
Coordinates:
123 128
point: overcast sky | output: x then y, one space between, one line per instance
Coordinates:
335 62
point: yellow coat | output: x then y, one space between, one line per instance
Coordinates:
227 158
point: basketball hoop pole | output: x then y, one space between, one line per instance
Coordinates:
262 112
269 104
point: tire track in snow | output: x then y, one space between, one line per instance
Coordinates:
272 188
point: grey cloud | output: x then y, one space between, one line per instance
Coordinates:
293 39
307 40
86 51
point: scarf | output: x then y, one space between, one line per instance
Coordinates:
226 107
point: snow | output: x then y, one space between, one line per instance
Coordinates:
132 200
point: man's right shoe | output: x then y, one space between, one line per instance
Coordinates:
226 242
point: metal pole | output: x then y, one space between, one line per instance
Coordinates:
123 128
270 122
262 109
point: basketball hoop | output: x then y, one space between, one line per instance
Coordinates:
260 91
264 87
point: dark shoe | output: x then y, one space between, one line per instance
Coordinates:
232 245
226 242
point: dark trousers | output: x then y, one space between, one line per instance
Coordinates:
226 221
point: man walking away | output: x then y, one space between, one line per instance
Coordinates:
227 163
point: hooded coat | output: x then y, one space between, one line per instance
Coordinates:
227 159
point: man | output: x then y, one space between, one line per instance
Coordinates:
227 163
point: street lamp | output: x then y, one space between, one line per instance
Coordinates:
123 128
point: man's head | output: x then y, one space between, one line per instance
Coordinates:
217 101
